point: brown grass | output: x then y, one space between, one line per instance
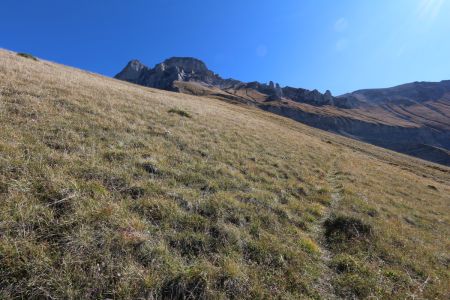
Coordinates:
105 194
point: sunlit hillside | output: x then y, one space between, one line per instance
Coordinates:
112 190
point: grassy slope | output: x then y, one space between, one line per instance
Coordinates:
104 193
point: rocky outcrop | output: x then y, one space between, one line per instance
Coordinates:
305 96
163 75
272 90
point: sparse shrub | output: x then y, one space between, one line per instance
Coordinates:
179 112
341 229
27 55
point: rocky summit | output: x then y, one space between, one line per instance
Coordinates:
413 118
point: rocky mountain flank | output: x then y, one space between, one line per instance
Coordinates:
413 118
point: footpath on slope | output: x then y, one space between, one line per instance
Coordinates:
324 283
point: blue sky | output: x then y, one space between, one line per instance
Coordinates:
337 45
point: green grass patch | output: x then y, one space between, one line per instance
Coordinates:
179 112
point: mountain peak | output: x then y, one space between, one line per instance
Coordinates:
132 71
135 64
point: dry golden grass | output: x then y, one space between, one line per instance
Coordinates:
109 190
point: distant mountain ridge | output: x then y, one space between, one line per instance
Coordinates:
174 70
409 93
412 118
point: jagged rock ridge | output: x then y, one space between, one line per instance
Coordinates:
165 75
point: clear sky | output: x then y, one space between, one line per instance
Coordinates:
338 45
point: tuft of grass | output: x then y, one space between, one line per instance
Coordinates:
27 55
344 263
179 112
193 283
309 245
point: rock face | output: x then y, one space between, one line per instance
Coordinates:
313 97
413 118
421 141
132 71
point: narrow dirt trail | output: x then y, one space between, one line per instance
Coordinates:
325 281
